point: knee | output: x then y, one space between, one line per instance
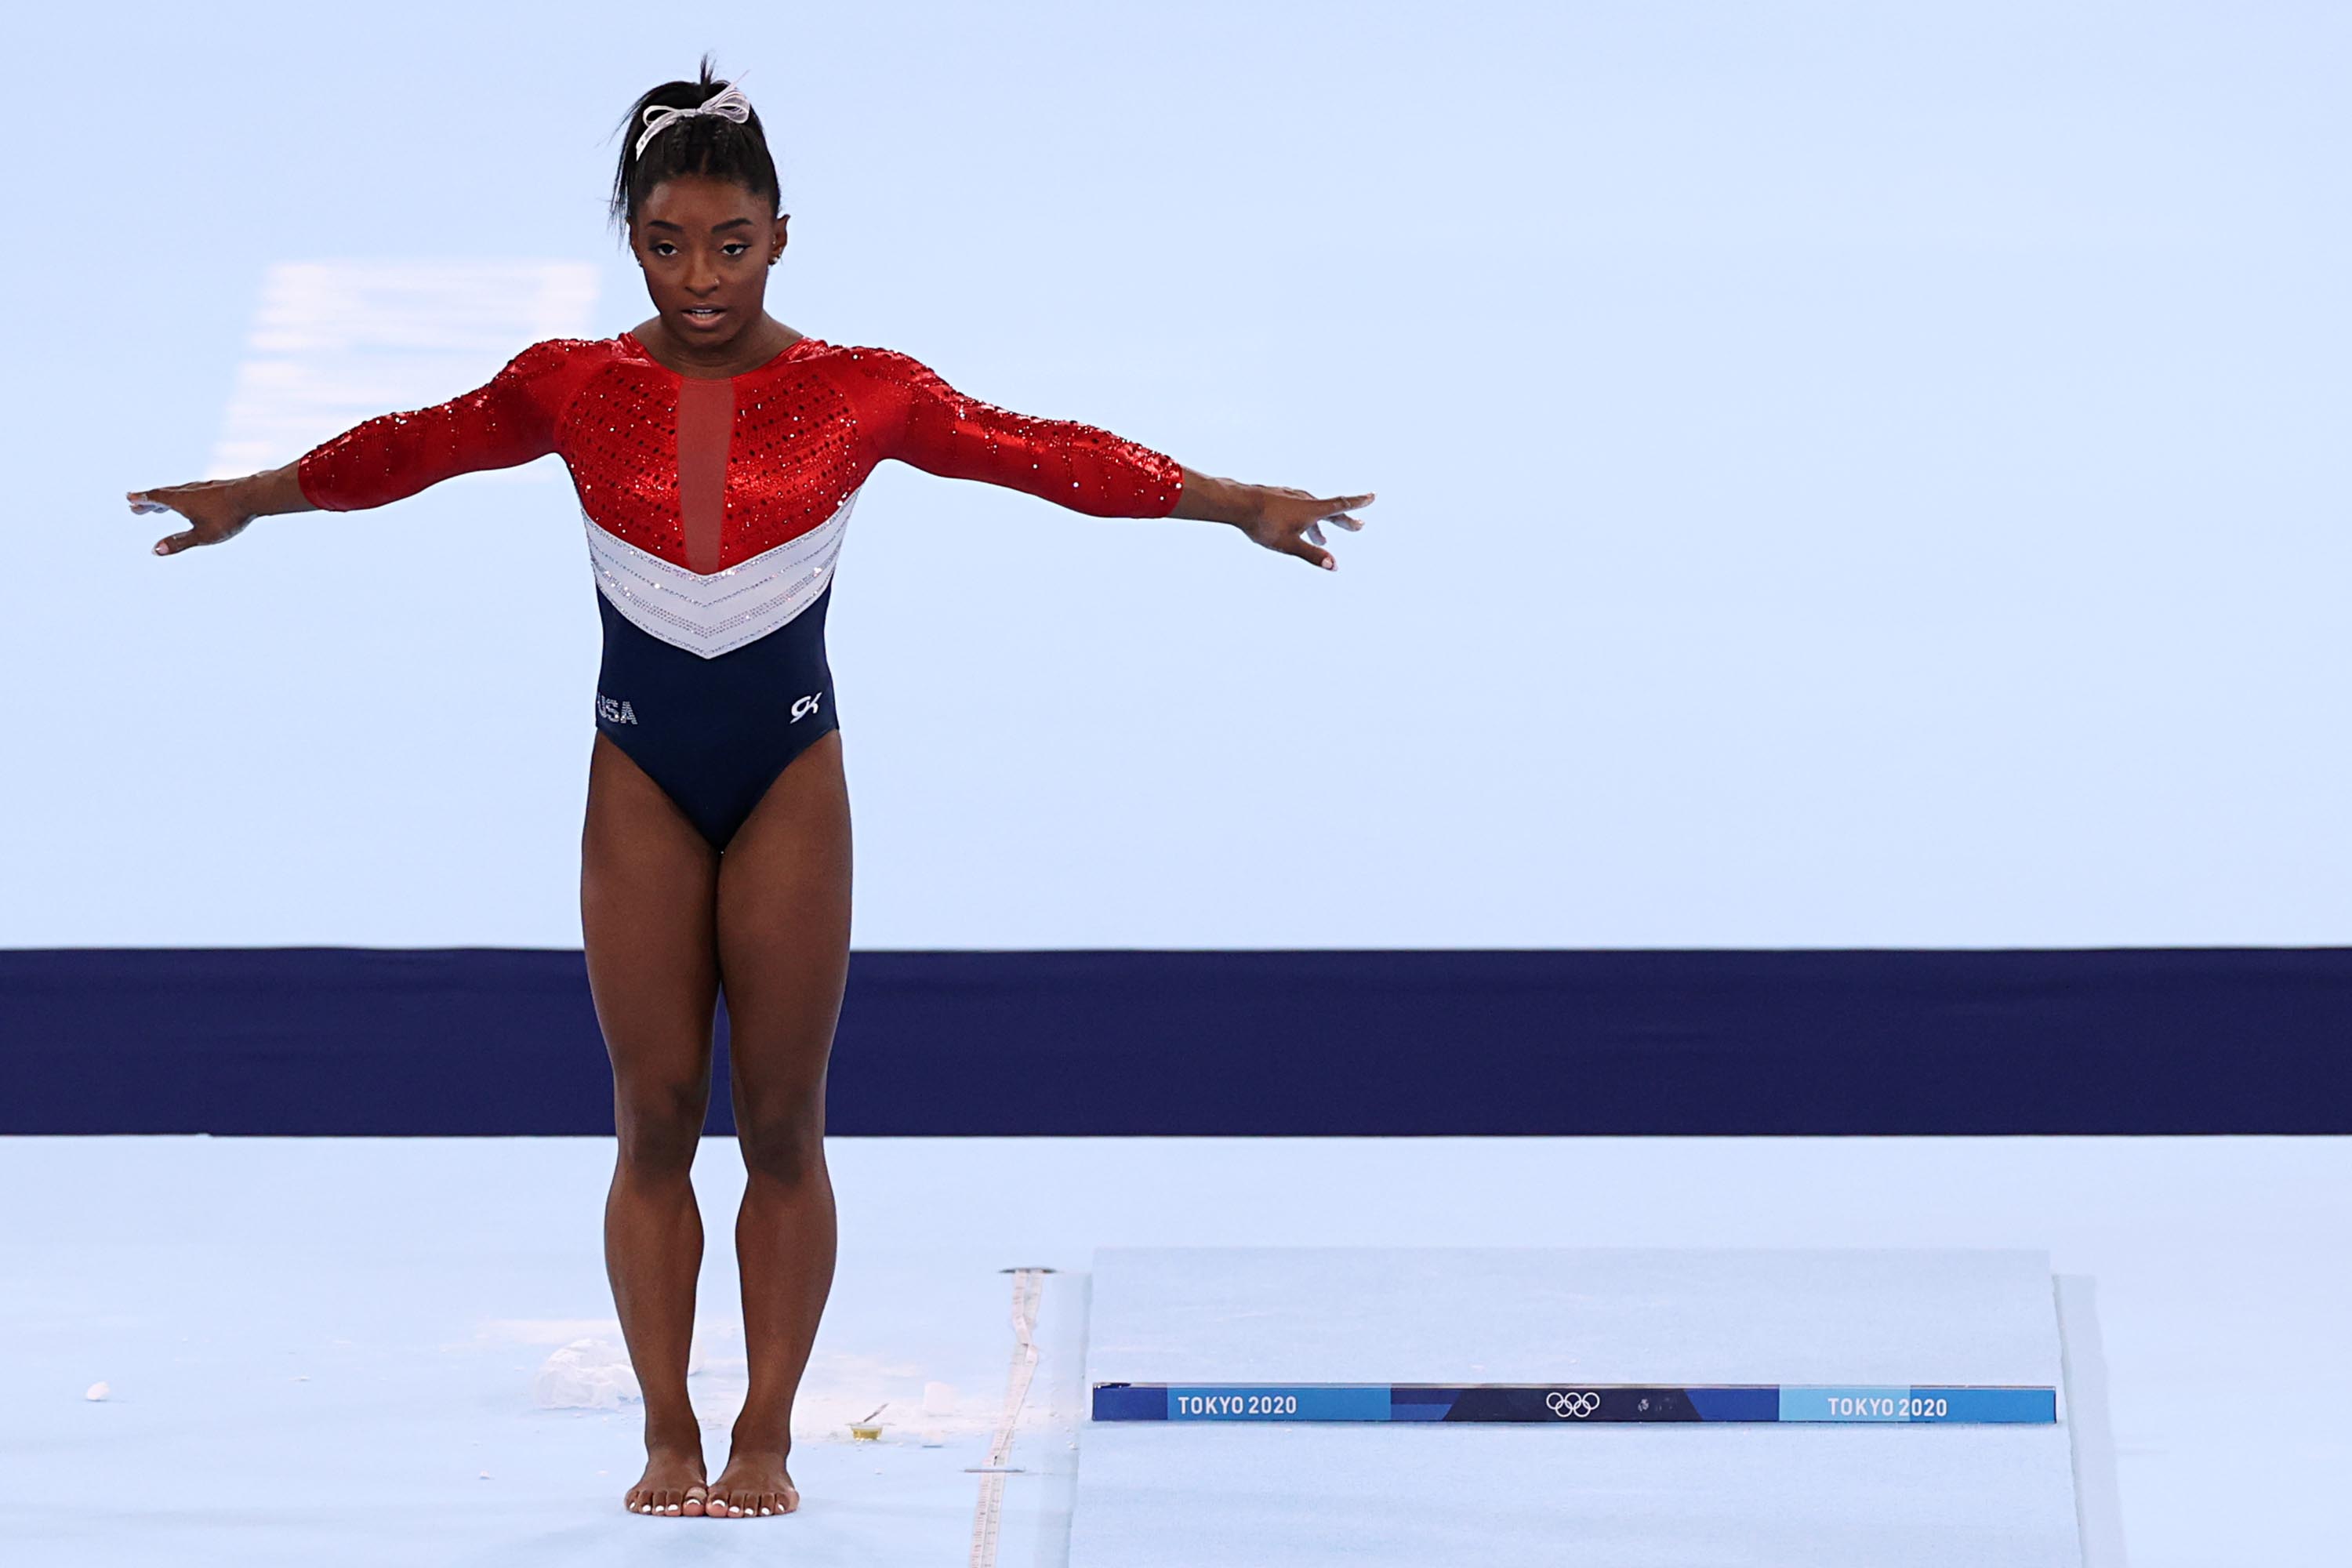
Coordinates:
787 1147
660 1126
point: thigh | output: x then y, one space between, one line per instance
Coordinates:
783 939
648 887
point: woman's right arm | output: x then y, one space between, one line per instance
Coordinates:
509 421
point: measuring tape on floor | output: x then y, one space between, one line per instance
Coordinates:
987 1513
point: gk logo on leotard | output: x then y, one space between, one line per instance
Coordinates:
803 707
614 712
1576 1405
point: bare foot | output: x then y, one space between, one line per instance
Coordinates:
672 1483
754 1484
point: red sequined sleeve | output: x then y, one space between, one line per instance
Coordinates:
919 419
510 420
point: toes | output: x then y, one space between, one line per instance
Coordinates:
753 1505
694 1505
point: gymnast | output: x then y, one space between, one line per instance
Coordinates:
717 454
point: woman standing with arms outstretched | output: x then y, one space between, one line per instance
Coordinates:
718 454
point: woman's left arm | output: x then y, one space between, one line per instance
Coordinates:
925 422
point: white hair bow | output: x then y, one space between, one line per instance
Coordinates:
730 104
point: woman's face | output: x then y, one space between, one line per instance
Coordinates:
706 245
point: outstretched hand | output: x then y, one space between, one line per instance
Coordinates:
1292 521
215 510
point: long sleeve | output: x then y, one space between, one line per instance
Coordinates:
917 418
509 420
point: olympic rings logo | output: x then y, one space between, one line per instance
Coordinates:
1573 1405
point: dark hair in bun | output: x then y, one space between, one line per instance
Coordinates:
708 144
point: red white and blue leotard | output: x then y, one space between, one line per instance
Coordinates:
715 509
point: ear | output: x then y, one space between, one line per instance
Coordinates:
776 250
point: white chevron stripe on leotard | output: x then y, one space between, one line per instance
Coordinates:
710 615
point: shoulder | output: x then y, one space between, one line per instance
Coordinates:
558 356
881 370
549 375
860 354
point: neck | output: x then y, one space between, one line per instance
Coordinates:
753 347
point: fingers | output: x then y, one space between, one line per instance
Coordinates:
142 503
202 528
1341 505
1297 546
1337 508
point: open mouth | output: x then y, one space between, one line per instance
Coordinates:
703 315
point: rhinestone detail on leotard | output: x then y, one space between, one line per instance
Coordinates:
808 428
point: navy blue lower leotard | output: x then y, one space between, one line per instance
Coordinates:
715 732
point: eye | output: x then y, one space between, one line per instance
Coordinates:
662 247
735 248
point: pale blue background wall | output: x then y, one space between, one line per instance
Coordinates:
1849 475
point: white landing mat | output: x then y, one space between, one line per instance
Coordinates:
1152 1493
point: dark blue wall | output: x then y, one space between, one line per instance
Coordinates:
503 1041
